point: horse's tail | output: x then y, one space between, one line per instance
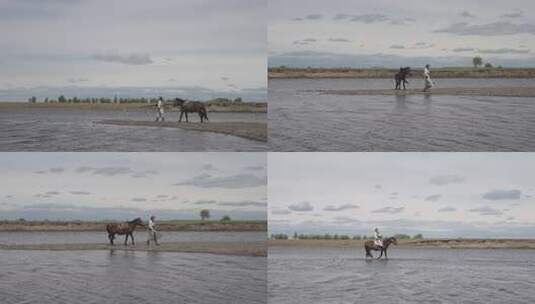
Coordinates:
204 112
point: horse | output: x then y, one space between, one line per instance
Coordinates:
370 245
401 77
191 107
126 228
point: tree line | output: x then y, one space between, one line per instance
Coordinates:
63 99
327 236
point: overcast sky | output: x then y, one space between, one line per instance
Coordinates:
354 32
437 194
127 185
166 44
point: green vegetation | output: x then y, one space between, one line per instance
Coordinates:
225 219
205 214
125 100
477 61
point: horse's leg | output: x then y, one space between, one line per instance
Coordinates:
111 236
126 240
386 255
180 117
200 116
132 237
381 254
187 116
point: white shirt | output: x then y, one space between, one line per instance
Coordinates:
160 105
151 225
378 236
426 72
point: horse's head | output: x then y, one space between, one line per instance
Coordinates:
393 240
137 221
179 102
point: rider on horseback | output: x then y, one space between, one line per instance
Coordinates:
378 238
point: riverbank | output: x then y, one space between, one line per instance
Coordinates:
424 243
249 130
225 248
281 73
175 225
459 91
240 107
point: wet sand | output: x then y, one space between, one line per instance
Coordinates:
431 243
225 248
458 72
249 130
481 91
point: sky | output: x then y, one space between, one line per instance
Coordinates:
192 48
487 195
121 186
386 33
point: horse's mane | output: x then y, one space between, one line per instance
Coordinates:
134 220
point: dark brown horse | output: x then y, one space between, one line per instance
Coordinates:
186 107
401 78
370 245
126 228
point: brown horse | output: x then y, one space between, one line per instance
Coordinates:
191 107
401 78
370 245
123 228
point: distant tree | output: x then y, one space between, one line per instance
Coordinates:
418 236
46 100
477 61
401 236
488 65
32 99
225 219
205 214
295 236
238 99
62 99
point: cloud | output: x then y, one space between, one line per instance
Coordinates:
130 59
490 29
50 206
305 41
139 199
458 50
433 198
80 193
209 167
77 80
51 170
447 209
230 182
112 171
314 17
389 210
504 51
378 186
397 46
513 15
146 173
467 14
205 202
442 180
301 207
310 40
339 40
280 212
497 195
345 220
340 207
486 211
368 18
243 204
255 168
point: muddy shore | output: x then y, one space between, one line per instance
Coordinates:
460 91
249 130
425 243
225 248
466 72
242 107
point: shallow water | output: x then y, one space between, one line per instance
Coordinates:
130 277
313 275
77 130
70 237
300 119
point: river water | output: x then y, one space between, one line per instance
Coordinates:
117 277
77 130
70 237
300 119
334 275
